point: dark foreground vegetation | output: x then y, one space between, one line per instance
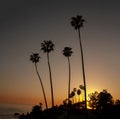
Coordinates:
102 106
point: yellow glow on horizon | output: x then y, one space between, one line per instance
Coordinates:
35 98
26 100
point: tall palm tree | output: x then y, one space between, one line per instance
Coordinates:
67 52
35 59
47 47
77 23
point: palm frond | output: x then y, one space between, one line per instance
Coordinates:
47 46
77 22
67 51
34 57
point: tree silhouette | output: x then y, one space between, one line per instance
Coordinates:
93 100
78 93
35 59
67 52
82 89
36 112
104 99
77 23
117 102
100 100
37 108
72 96
75 90
103 104
47 47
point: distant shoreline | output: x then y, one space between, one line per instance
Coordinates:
11 109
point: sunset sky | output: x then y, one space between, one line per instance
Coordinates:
25 24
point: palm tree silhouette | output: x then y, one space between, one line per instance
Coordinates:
77 23
78 93
35 59
67 52
47 47
82 88
72 96
75 89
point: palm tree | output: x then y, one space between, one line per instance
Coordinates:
77 23
78 93
75 89
72 96
67 51
35 59
47 47
82 89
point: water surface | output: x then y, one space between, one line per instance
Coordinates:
7 110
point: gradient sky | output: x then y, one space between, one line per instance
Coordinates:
25 24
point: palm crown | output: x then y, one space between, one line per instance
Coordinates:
34 57
67 51
78 91
47 46
77 22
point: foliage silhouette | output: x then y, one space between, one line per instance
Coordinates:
111 110
75 90
47 47
37 111
104 99
78 93
77 23
100 100
35 59
103 104
93 100
117 102
72 96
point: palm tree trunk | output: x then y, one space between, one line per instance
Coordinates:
68 112
41 86
79 98
69 78
50 80
83 71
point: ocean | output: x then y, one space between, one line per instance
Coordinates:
7 110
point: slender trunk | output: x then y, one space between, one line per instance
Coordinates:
68 111
69 78
41 86
83 71
50 80
75 99
79 98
